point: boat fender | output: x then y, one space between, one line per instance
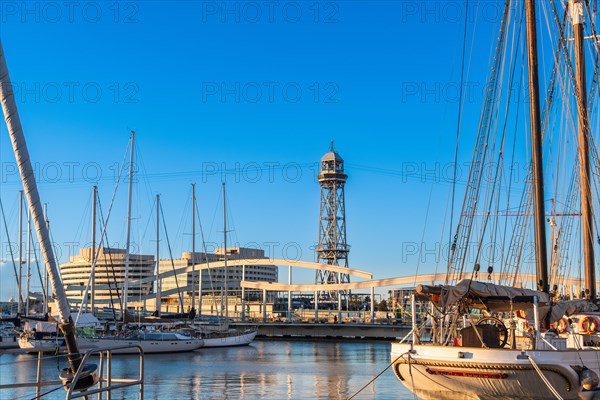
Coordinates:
588 379
562 325
588 325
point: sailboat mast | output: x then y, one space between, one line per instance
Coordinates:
93 253
15 130
126 278
587 224
20 289
193 243
225 254
539 213
158 281
46 287
28 263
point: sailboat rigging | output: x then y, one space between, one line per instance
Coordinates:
128 239
149 341
221 334
225 270
527 348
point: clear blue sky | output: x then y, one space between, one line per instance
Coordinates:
259 90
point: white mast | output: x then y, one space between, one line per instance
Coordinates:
20 300
158 280
225 255
46 287
126 286
28 264
93 252
194 244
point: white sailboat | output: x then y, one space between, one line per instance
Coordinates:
222 334
502 358
478 366
8 336
229 337
41 336
150 342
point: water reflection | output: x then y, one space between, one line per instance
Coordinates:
265 369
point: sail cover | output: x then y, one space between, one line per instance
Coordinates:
503 298
485 293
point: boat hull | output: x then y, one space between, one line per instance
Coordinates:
9 342
148 346
241 339
442 372
43 345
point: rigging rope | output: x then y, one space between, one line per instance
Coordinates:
499 170
113 275
378 375
465 224
458 123
103 235
171 257
10 249
206 258
544 379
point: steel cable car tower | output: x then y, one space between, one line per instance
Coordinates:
332 248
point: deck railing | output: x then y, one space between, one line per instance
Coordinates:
106 384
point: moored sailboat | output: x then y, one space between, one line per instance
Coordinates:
149 342
8 336
501 357
221 334
488 360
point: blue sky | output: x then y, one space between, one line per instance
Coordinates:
257 90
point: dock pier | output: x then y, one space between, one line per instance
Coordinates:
289 330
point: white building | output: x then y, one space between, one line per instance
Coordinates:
110 270
213 279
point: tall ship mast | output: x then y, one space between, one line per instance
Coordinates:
510 342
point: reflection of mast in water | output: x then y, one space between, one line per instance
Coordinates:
196 387
332 383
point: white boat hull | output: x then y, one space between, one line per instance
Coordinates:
44 345
240 339
148 346
443 372
9 342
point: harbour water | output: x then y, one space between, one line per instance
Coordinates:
263 370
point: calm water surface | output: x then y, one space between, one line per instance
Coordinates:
265 369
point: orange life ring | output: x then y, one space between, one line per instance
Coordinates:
526 327
562 325
588 325
521 314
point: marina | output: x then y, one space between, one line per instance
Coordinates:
370 268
